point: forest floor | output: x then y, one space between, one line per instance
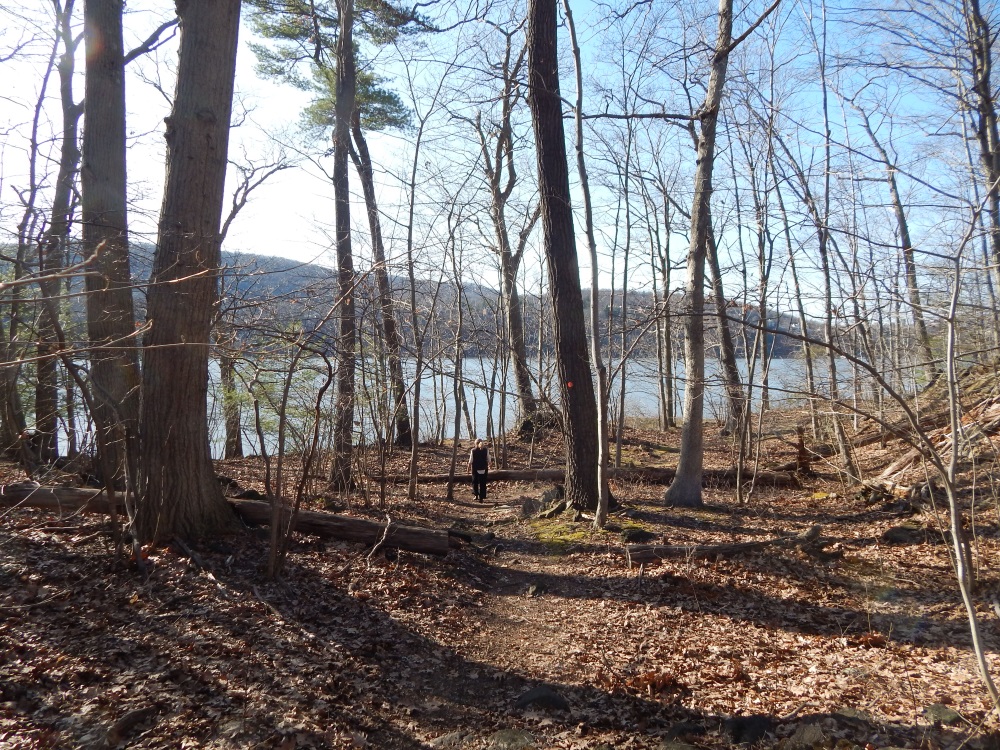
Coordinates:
536 634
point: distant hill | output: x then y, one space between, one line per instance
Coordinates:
271 295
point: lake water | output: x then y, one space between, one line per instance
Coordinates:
437 408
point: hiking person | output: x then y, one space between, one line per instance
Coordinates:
479 467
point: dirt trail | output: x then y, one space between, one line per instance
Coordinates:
402 650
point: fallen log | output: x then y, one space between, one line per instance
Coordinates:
317 523
63 499
639 554
349 529
652 475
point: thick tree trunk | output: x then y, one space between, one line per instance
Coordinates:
180 494
343 416
575 375
114 359
393 340
686 488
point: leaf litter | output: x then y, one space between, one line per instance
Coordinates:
401 650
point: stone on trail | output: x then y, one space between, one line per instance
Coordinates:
807 737
938 712
511 739
543 697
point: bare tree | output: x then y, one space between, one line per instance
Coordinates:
54 244
685 490
497 149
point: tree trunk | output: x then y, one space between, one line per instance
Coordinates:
393 340
54 246
823 235
600 517
343 424
928 364
735 394
515 332
980 40
15 349
800 309
114 359
230 408
626 183
668 385
686 488
181 496
498 162
576 384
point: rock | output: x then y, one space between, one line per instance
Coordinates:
453 740
511 739
685 730
806 737
555 493
555 510
905 534
542 697
740 729
853 714
530 506
633 535
942 714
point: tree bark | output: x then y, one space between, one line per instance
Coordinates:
393 340
575 375
114 359
343 416
230 408
180 494
980 40
603 447
498 162
735 394
686 488
54 246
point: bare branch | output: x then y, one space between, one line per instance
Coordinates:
753 27
153 41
